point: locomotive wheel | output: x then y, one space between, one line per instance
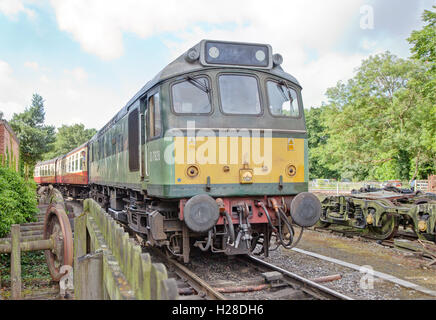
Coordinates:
388 229
57 227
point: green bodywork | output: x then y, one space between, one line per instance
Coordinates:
155 177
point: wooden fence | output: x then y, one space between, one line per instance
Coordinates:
23 238
109 265
421 185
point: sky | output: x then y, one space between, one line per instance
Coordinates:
87 58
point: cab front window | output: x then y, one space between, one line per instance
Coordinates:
239 94
192 96
282 100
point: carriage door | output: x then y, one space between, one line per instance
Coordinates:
154 124
143 145
58 170
133 140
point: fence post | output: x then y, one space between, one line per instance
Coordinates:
15 262
90 277
158 273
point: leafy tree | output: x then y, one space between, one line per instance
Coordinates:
424 50
35 137
317 137
68 138
424 41
379 122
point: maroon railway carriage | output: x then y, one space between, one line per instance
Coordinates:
68 173
45 172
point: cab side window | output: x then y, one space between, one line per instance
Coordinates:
154 116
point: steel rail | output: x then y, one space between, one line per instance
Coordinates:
199 285
378 274
308 286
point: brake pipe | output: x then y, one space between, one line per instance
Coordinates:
299 236
279 216
209 241
260 203
231 228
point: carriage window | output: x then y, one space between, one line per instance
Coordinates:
154 117
82 160
192 96
239 94
282 100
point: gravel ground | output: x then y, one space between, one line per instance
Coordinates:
387 260
220 270
217 268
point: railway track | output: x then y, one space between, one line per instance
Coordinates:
273 281
309 287
191 286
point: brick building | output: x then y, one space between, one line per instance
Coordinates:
9 145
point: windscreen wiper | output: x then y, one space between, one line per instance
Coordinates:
279 85
198 84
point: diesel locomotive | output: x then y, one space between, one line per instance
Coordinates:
211 153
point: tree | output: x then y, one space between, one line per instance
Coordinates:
424 41
316 138
379 122
68 138
424 50
35 137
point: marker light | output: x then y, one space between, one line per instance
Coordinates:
277 59
192 55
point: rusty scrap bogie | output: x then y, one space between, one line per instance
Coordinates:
380 214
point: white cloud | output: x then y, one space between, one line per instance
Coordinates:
318 75
66 99
44 79
8 90
11 8
32 65
291 27
78 74
5 71
99 25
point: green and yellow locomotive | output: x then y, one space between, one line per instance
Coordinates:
211 153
